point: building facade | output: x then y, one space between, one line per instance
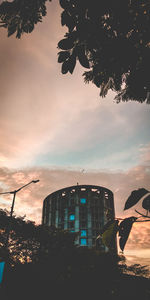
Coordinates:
82 208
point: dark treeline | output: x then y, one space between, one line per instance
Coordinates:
44 262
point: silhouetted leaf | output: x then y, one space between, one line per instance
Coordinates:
65 67
135 197
63 55
66 44
82 57
64 15
67 20
72 63
11 30
28 28
146 203
63 3
18 35
124 231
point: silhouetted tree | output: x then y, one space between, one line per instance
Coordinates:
29 242
86 273
110 38
45 260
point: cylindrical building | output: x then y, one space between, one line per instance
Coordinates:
81 208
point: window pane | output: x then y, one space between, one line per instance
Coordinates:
83 232
72 217
83 200
83 242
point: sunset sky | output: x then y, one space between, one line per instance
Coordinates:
57 129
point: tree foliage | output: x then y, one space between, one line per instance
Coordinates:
135 197
124 230
112 228
85 272
123 227
20 16
29 242
110 38
46 259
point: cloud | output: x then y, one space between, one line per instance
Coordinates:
139 237
49 118
145 154
138 256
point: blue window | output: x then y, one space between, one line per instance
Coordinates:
2 264
83 242
83 232
83 200
72 217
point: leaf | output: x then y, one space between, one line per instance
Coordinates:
63 55
66 44
135 197
124 231
64 15
72 63
65 67
28 27
146 203
82 57
67 20
11 29
70 23
19 32
63 3
109 233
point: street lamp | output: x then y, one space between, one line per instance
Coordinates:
12 207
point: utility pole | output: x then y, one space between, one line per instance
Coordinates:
12 208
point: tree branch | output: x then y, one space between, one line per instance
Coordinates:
144 216
142 221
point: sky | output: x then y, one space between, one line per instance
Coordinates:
58 129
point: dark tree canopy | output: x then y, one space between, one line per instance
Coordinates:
29 242
61 269
110 38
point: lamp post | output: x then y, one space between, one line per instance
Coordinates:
12 208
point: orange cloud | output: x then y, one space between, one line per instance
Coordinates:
139 237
